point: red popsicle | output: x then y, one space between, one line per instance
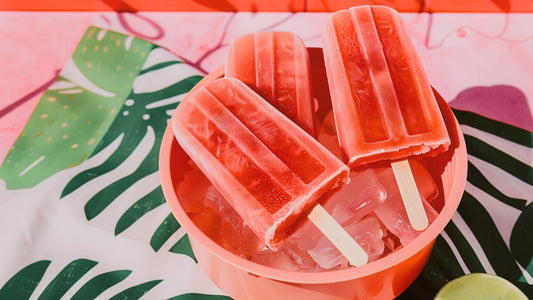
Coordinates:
276 66
383 104
269 169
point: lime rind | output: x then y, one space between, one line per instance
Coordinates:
480 286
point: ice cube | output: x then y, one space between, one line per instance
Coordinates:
368 232
191 191
235 235
393 215
211 213
288 259
348 206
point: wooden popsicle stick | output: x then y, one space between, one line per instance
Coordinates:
338 236
410 195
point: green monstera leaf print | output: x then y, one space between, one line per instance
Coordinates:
78 280
492 230
77 110
139 126
100 199
22 285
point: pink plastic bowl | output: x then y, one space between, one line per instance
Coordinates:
385 278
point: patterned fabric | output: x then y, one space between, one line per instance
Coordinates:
90 221
83 177
492 228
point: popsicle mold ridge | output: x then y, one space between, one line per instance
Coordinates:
269 169
383 104
275 64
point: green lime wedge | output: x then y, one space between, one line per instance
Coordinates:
480 286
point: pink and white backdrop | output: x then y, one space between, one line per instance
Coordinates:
482 64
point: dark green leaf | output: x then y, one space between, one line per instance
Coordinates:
147 203
67 278
503 130
441 267
120 154
22 284
183 246
178 88
137 291
159 66
522 238
167 228
488 236
486 152
476 178
194 296
100 284
463 246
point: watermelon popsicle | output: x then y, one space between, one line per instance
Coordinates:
383 104
268 169
275 65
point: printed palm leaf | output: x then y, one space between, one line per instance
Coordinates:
194 296
139 125
125 157
23 284
492 229
77 110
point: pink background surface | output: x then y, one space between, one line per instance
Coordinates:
478 62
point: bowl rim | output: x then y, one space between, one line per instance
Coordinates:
425 239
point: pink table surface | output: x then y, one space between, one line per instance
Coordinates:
464 54
478 62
